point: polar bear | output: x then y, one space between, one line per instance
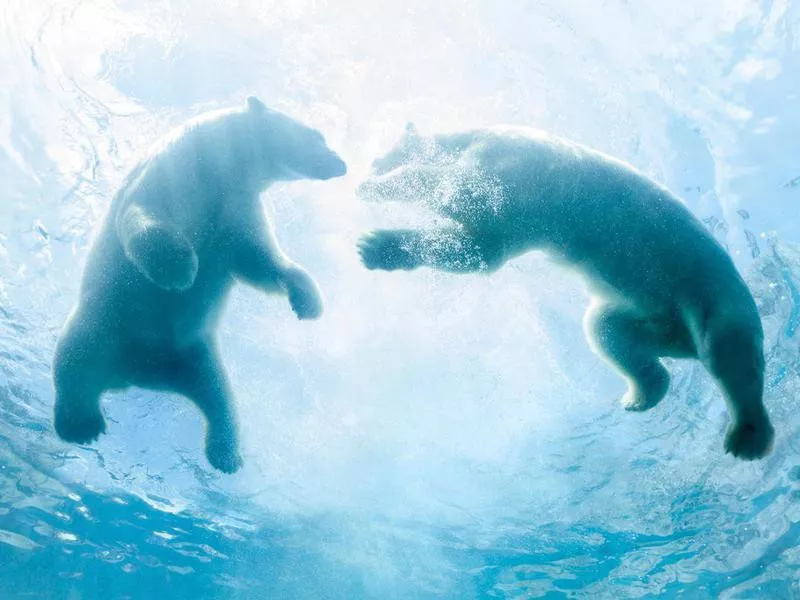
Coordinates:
661 286
185 225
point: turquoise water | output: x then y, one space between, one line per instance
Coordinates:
432 436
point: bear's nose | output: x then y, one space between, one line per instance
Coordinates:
339 167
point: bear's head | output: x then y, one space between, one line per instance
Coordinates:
286 148
411 148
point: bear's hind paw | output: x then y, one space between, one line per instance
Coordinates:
224 456
749 440
79 429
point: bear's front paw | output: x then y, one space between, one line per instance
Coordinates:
389 250
648 389
750 439
79 428
223 455
635 401
304 295
165 257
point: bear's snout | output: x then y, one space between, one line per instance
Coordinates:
338 167
328 167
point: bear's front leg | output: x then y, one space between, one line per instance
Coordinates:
259 261
304 295
446 249
160 252
391 249
629 343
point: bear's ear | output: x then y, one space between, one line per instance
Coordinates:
411 130
255 105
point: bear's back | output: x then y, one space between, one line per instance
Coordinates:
606 218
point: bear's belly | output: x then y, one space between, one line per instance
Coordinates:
658 280
150 319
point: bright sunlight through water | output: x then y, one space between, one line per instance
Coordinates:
432 435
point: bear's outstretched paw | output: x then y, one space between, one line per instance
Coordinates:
304 295
78 428
165 257
223 455
750 440
388 250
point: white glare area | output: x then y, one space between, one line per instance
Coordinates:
467 401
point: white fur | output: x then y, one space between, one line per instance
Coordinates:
661 285
184 226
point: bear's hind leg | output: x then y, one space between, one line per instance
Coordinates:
82 371
623 339
199 374
731 350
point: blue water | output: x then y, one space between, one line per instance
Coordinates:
432 436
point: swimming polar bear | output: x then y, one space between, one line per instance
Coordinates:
183 228
661 285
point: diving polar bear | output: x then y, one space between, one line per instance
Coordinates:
661 285
183 228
